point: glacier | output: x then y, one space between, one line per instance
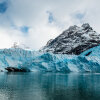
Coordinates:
88 61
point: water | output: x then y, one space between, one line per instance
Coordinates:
49 86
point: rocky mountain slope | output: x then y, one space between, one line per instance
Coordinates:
74 40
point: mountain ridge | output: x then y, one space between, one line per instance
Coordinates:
74 40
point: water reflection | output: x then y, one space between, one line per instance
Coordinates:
49 86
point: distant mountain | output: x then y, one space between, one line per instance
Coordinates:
74 40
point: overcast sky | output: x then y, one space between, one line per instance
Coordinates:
34 22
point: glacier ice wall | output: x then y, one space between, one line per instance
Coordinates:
88 61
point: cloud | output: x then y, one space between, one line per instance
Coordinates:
34 22
5 40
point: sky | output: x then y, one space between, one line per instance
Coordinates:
34 22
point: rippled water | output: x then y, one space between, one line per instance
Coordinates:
49 86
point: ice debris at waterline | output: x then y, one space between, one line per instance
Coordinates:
88 61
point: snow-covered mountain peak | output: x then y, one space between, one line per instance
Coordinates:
74 40
72 28
86 26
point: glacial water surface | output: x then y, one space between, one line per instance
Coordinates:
49 86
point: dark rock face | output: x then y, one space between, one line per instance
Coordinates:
13 69
75 40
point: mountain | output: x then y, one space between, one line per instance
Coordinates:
74 40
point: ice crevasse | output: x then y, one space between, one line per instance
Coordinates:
88 61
